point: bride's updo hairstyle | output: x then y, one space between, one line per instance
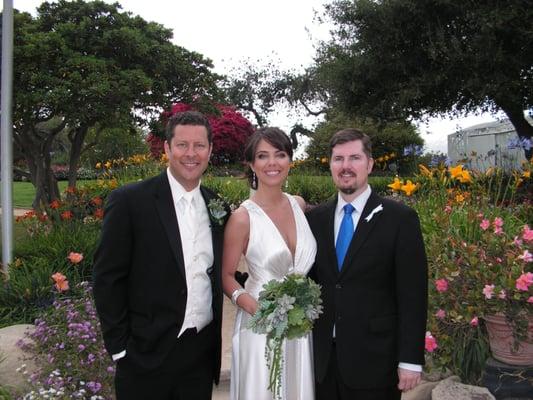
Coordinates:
274 136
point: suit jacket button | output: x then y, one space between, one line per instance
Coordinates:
338 286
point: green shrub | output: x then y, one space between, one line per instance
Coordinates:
27 291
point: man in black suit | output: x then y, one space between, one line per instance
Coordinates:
371 264
157 274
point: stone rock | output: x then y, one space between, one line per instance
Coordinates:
452 389
13 357
421 392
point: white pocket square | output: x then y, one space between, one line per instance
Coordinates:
374 211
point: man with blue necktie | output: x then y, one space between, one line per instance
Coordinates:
371 264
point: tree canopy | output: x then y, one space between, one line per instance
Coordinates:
79 65
387 139
397 59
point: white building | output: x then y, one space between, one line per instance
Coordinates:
486 145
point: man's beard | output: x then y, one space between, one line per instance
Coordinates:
348 190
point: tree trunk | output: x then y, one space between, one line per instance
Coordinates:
523 129
42 177
35 143
76 143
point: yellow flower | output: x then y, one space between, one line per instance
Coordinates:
164 158
113 184
459 198
396 185
108 164
386 158
98 165
465 177
379 159
324 160
526 174
392 155
409 188
425 171
456 171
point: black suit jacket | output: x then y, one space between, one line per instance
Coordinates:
140 288
378 302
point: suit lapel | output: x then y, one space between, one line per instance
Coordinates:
167 213
329 223
362 231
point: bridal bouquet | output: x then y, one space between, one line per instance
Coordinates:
286 310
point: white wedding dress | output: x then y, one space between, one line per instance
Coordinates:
268 258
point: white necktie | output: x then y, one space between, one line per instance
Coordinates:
189 215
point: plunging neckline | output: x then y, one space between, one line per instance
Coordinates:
293 255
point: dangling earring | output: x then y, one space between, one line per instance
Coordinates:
254 181
287 182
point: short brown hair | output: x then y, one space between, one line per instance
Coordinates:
188 118
274 136
348 135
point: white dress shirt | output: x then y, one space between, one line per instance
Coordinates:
197 245
359 204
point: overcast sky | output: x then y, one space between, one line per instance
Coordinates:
232 30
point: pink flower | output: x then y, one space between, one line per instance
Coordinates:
440 314
530 300
488 291
498 222
61 282
484 224
524 281
447 209
498 230
502 294
431 342
474 321
527 234
517 241
526 256
499 260
75 258
441 285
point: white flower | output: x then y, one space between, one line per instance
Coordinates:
374 211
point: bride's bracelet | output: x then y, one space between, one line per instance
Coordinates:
236 293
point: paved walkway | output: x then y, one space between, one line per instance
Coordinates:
17 212
221 392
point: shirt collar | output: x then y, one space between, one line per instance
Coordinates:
358 203
178 191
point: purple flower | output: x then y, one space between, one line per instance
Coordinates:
94 386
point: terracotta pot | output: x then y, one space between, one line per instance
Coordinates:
501 342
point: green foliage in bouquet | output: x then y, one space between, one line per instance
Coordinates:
287 310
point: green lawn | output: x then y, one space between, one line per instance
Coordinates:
19 233
24 192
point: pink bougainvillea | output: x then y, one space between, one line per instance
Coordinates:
230 132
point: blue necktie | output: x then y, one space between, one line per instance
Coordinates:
345 234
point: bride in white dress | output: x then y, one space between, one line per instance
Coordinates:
271 231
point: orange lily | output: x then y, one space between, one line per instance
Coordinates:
396 185
409 188
456 171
